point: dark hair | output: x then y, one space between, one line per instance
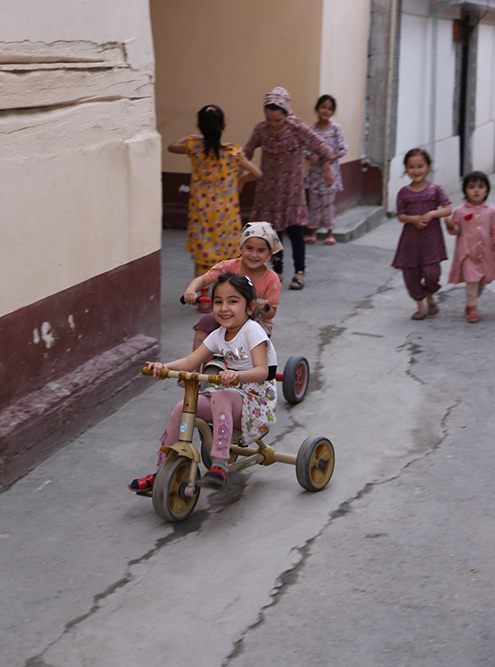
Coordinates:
241 284
476 177
210 123
414 152
275 107
326 98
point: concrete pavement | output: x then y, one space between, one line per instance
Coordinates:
390 565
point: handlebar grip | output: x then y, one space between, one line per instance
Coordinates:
199 299
165 373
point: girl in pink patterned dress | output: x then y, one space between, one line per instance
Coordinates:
474 226
420 205
322 197
280 197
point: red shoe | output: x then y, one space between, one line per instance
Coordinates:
215 478
473 318
143 486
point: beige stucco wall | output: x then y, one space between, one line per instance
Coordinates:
79 152
230 54
344 64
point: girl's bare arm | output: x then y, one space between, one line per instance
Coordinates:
178 146
253 172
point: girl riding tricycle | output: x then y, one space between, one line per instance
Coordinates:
244 397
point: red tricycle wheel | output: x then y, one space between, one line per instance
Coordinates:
295 379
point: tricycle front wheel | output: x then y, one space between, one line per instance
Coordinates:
315 463
169 500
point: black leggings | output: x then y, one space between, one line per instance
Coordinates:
296 237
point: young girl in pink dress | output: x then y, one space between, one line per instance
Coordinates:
474 226
420 205
321 196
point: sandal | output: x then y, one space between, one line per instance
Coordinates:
296 283
215 478
143 486
330 240
432 309
418 316
473 318
311 240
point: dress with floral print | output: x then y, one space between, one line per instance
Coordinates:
214 225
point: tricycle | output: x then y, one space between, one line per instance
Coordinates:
177 487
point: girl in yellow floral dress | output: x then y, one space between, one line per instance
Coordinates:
214 225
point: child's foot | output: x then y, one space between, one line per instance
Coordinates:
311 239
432 308
330 240
473 316
215 478
419 315
297 281
143 486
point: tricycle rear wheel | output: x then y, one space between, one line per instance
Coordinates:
295 379
169 501
315 463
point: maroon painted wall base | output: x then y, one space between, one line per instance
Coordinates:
70 359
38 424
362 185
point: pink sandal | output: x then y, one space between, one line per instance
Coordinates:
330 240
310 240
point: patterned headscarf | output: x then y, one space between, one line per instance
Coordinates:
279 96
262 230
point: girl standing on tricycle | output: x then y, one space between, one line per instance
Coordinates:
250 405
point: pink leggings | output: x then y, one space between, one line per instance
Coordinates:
223 409
473 291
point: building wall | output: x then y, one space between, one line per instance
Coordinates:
413 110
344 66
81 209
230 54
484 132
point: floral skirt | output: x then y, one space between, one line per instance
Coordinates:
259 406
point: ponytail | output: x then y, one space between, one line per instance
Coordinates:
210 123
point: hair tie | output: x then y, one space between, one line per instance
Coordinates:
210 109
250 282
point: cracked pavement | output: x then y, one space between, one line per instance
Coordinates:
390 565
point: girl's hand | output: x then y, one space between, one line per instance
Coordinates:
327 174
448 223
228 377
313 159
190 297
427 217
156 367
418 222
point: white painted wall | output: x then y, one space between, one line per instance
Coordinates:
79 153
413 109
484 133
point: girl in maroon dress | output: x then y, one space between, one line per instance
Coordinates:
420 205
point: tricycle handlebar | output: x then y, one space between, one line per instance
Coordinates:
186 375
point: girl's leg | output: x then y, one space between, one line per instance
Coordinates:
171 434
315 211
412 279
296 237
329 216
226 410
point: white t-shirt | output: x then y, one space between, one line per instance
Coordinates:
237 352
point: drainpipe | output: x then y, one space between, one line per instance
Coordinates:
433 81
389 126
